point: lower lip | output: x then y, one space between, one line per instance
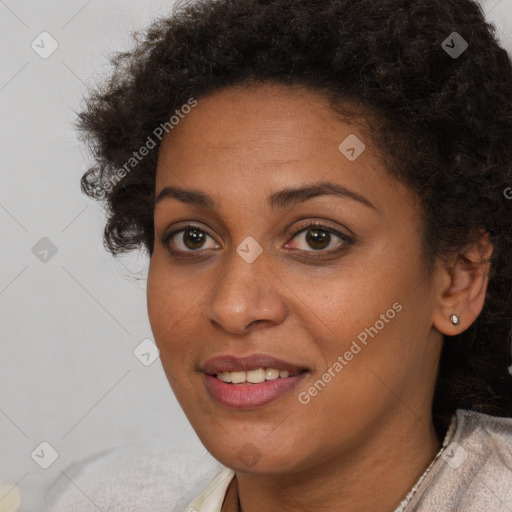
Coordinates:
250 396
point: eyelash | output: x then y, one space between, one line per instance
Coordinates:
312 225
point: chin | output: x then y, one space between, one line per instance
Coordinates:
250 455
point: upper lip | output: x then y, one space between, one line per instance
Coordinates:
228 363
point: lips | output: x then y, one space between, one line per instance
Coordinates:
250 395
227 363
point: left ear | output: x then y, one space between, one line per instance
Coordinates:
463 285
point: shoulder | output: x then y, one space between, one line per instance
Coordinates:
474 472
479 423
487 442
142 476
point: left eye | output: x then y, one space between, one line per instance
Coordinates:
193 238
319 237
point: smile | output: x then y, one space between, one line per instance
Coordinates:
250 395
251 381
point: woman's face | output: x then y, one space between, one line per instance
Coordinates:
345 305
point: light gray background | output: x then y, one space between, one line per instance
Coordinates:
69 325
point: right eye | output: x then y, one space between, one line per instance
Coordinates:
187 239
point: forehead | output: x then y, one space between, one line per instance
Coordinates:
255 140
239 116
265 125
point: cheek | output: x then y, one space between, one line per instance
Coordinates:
171 293
170 304
347 302
172 301
375 316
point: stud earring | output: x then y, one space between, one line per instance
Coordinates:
454 319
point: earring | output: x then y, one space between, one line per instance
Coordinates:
454 319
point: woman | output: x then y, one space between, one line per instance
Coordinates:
323 188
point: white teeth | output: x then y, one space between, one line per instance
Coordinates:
238 377
224 376
271 374
256 376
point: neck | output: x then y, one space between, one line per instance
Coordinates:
374 476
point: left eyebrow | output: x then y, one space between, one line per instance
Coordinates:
291 196
281 199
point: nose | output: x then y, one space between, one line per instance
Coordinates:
247 295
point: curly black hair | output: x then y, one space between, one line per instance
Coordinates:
444 129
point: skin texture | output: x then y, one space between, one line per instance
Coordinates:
370 427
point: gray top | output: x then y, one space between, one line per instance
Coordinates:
473 474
